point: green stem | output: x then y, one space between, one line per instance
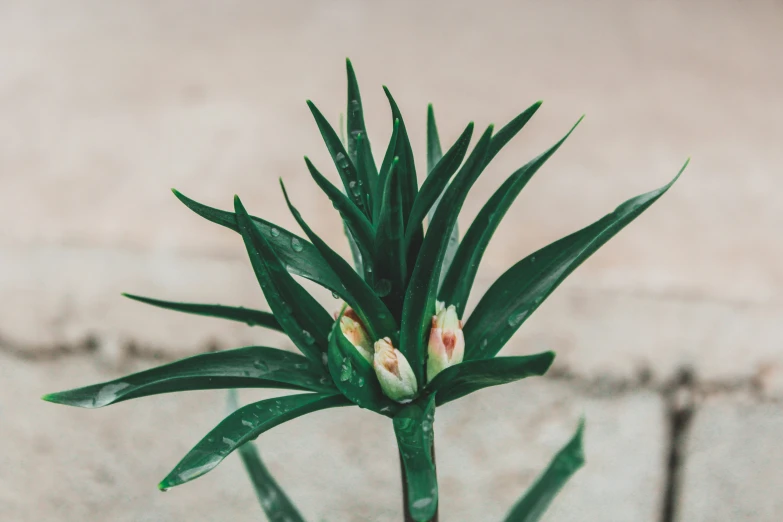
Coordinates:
405 505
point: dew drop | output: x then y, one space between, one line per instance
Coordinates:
516 320
301 366
261 365
325 359
484 344
308 337
532 259
247 423
274 232
382 287
422 503
296 245
346 371
335 295
163 490
360 382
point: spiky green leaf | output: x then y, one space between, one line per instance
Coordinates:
521 289
537 499
419 303
361 228
465 378
251 367
438 178
434 152
242 426
357 192
274 501
299 256
413 426
510 130
390 260
303 320
233 313
462 272
409 185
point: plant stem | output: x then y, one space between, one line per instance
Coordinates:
405 505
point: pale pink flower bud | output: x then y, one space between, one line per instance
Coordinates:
447 342
354 331
394 372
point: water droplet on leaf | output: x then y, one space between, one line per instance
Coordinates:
296 245
274 232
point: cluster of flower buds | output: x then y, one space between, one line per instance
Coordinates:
446 348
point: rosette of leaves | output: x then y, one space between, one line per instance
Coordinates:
400 268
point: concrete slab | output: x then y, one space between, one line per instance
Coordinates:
734 466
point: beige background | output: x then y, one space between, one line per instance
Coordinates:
104 106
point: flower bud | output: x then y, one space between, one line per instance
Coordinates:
394 372
447 342
354 331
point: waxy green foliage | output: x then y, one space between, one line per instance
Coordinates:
407 254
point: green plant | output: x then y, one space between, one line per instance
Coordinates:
398 347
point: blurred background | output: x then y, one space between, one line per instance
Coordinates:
669 339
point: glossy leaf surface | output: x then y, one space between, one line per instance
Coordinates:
465 378
409 185
350 176
462 272
434 151
361 228
390 260
304 321
355 377
233 313
251 367
438 178
361 297
299 256
413 426
420 297
521 289
537 499
242 426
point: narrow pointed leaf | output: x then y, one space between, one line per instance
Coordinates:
465 378
409 185
438 178
510 130
232 313
522 288
350 176
360 227
356 253
413 428
299 256
434 152
390 262
359 148
274 501
537 499
355 377
462 272
368 171
420 297
305 321
391 151
242 426
361 297
251 367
